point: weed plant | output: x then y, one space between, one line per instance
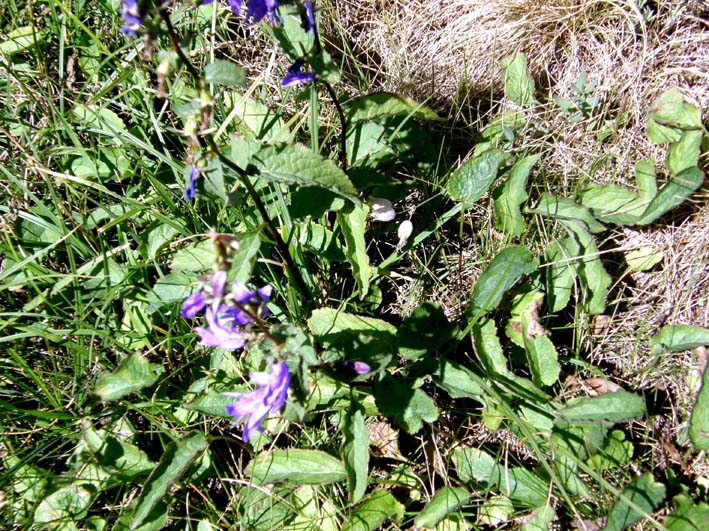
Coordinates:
202 316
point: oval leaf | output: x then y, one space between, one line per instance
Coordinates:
444 502
470 182
134 373
611 407
295 164
503 272
309 467
383 105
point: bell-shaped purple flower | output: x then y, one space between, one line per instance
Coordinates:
225 328
257 9
296 76
132 17
190 188
267 398
357 366
309 17
212 290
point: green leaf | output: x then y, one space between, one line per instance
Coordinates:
495 510
672 193
684 153
172 288
175 462
521 485
99 120
353 222
612 407
445 501
264 509
566 209
252 119
196 257
540 520
511 195
614 204
407 406
305 467
121 458
595 279
670 110
355 451
638 499
423 332
295 164
519 85
373 511
457 380
673 338
469 183
687 516
644 258
313 202
543 359
374 107
561 273
474 465
324 68
223 72
616 452
210 403
328 324
21 39
699 421
134 373
243 260
488 347
321 241
64 506
645 179
503 272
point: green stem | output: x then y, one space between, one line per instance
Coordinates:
243 176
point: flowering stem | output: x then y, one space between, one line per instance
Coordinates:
243 176
333 96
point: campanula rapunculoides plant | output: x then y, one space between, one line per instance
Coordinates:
286 316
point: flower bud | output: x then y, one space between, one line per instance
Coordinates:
382 209
405 230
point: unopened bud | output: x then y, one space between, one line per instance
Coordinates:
405 230
382 209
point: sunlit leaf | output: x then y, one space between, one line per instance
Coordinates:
298 466
469 183
133 374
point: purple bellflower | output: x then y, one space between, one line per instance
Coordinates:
296 76
257 9
227 315
190 188
132 17
269 397
309 17
357 366
211 291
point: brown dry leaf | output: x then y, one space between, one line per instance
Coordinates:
600 325
384 439
592 386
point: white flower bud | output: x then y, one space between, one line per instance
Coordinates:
405 230
382 210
